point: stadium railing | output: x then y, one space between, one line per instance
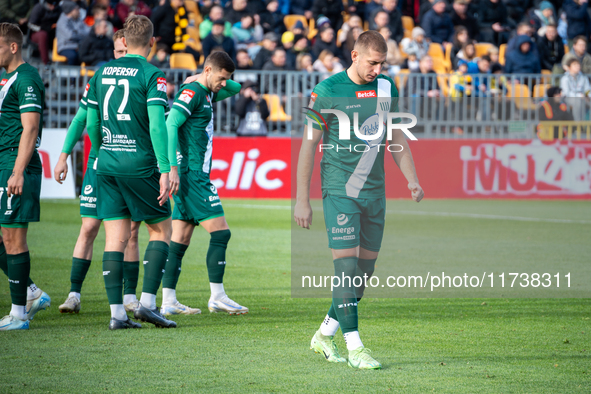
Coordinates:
488 106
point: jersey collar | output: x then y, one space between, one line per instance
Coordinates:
204 88
135 56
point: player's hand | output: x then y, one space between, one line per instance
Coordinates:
15 184
192 78
174 180
61 169
164 189
416 190
303 214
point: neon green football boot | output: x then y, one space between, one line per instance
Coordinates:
360 358
327 347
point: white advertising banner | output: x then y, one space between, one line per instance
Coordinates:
52 142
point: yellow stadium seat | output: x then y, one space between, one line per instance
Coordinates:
566 50
277 112
55 56
191 6
366 26
290 20
502 50
84 72
521 96
312 31
402 53
408 24
184 61
482 49
193 32
152 52
401 77
540 90
442 80
436 51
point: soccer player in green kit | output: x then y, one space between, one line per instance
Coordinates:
197 202
127 102
90 222
22 97
352 186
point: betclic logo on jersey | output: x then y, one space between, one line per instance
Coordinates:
372 129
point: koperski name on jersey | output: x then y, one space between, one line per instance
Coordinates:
123 71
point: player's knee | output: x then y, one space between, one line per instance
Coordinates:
89 231
221 237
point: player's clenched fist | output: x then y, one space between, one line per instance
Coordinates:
416 190
303 214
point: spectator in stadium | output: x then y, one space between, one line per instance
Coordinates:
516 10
252 110
394 19
100 13
426 6
325 40
162 57
493 22
467 53
348 45
460 17
579 52
370 7
522 60
70 30
244 63
276 63
301 7
576 88
437 24
217 40
264 55
415 47
493 53
354 21
551 50
216 12
523 29
425 86
380 19
327 63
288 44
96 49
236 11
460 84
331 9
42 21
247 32
127 8
542 17
170 27
562 28
554 109
272 19
479 71
460 39
578 20
304 63
17 11
393 57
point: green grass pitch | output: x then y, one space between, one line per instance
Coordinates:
448 345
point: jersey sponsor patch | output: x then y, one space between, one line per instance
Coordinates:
3 82
162 84
86 90
312 99
186 96
366 94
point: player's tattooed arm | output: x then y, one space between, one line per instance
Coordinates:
303 210
405 162
26 147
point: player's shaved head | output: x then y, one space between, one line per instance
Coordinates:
370 39
11 34
220 61
138 31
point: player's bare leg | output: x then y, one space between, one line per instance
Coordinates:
182 232
37 299
216 263
131 269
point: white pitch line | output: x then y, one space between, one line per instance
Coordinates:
424 213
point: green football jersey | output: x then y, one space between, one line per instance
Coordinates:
84 106
194 101
20 91
122 91
353 167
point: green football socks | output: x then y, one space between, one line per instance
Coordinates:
216 255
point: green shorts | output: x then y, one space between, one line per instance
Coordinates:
24 208
130 198
197 199
352 222
88 194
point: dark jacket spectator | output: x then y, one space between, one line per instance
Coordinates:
551 49
331 9
426 6
395 23
252 110
164 23
217 40
16 11
542 17
43 18
579 22
97 47
301 7
236 10
522 60
126 7
460 17
264 54
553 109
272 19
325 40
276 63
437 24
493 15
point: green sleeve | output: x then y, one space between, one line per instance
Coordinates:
75 131
93 126
175 119
159 136
230 90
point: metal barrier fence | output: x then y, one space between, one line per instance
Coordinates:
475 106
